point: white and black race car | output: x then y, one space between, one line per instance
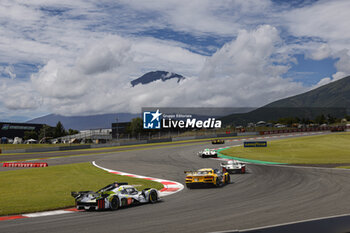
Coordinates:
208 153
233 166
114 196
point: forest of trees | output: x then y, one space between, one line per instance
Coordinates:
319 120
49 132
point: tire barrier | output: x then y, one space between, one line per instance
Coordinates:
25 165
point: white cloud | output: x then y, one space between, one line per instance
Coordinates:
338 75
244 69
320 52
343 64
17 95
239 74
248 54
38 31
202 16
322 82
8 71
343 68
326 21
327 80
91 50
99 80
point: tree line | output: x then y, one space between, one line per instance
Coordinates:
49 132
319 120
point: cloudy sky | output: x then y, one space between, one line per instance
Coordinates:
78 57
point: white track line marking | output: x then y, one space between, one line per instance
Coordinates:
46 213
170 187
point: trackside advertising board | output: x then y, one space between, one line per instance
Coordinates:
255 144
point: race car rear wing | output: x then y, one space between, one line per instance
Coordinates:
191 172
112 186
76 194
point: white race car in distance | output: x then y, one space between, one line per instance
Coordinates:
233 166
208 153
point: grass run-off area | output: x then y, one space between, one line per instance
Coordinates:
321 149
48 188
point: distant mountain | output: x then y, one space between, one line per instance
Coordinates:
333 95
333 99
156 75
103 121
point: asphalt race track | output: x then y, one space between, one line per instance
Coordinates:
266 195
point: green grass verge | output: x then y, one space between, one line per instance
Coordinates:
346 167
39 189
321 149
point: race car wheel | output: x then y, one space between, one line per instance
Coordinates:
218 182
189 186
114 203
243 170
153 196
